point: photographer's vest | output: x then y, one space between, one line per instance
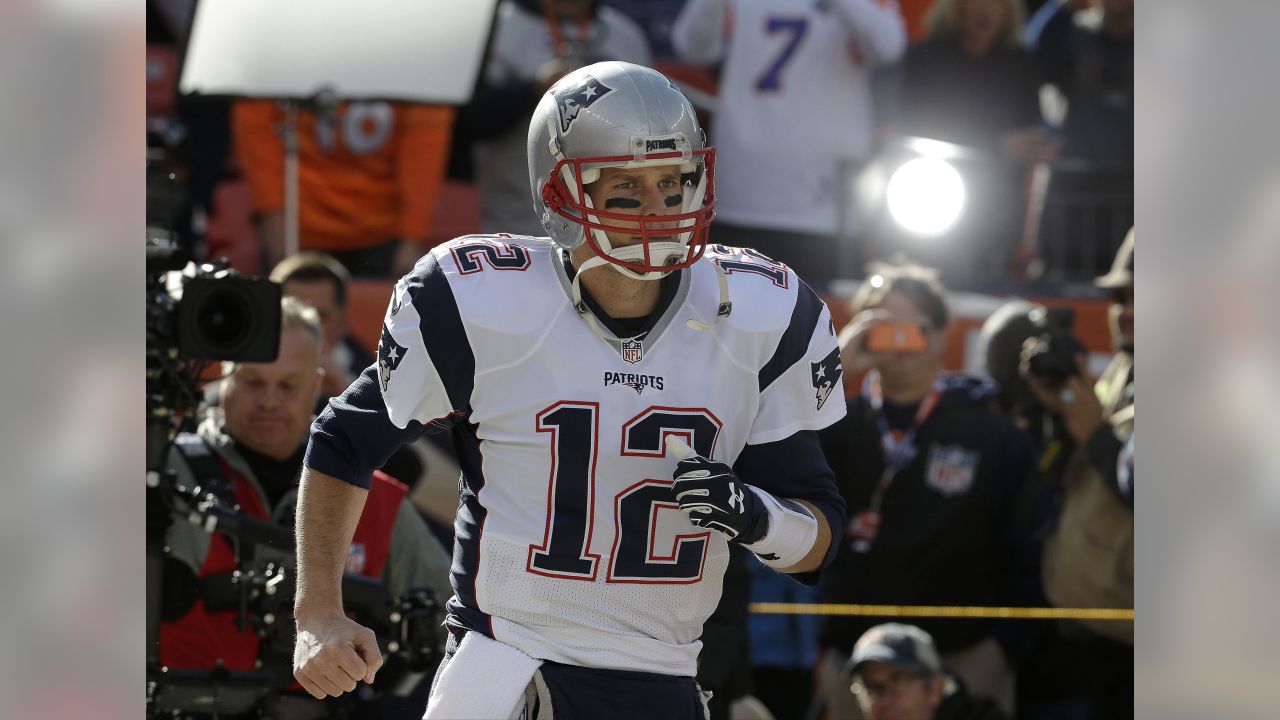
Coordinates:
204 637
1088 561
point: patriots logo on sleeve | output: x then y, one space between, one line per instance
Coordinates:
826 375
396 302
572 101
390 355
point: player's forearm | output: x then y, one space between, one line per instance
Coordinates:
328 510
699 30
813 559
877 28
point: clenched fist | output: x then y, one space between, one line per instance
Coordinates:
713 496
333 653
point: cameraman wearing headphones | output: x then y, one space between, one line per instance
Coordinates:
251 449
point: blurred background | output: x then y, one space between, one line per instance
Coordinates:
1027 157
990 141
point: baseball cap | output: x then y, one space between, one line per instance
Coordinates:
902 646
1121 274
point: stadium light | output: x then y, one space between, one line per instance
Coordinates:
926 196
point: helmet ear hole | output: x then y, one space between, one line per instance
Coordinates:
552 196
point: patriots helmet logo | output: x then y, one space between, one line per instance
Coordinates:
572 101
826 375
390 355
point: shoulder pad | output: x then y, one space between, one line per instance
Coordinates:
495 289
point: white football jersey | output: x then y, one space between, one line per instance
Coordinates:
569 543
794 100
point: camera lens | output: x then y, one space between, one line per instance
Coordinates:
223 320
228 318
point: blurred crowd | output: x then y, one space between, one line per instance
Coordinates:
813 105
1007 480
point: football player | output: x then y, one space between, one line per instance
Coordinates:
626 401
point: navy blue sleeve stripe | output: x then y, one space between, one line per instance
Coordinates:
443 332
795 341
463 608
353 436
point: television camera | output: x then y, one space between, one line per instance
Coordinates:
197 315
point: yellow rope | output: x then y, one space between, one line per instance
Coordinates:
945 611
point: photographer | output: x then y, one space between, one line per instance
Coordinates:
1099 418
1079 670
252 447
930 473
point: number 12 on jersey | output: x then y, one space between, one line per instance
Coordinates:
574 429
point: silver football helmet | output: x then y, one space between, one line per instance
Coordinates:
616 114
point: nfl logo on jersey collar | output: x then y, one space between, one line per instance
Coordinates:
632 350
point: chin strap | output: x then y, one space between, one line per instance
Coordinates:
581 305
722 310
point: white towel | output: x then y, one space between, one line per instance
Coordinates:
484 680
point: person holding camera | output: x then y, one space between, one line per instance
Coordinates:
249 452
1099 417
1079 670
930 473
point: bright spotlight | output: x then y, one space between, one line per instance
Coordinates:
926 196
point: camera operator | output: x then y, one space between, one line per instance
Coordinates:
253 446
1100 418
1084 670
930 473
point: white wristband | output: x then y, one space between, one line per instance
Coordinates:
792 532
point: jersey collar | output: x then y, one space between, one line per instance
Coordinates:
672 295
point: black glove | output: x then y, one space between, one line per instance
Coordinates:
715 498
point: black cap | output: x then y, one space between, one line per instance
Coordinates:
902 646
1121 274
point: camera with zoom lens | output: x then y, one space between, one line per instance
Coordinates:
209 312
197 314
1050 355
